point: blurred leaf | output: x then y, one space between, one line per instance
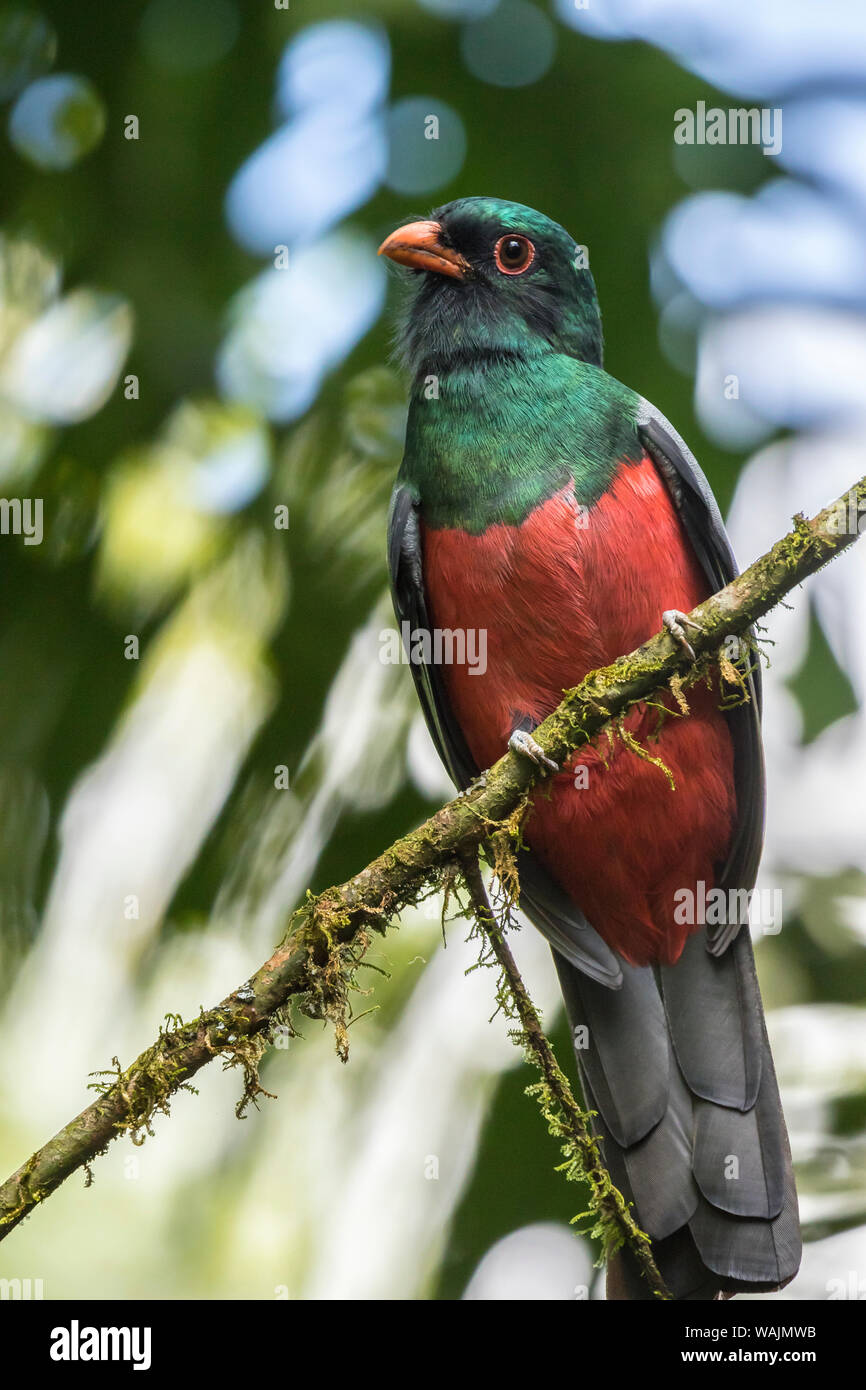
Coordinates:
28 46
166 506
823 690
338 483
64 365
57 120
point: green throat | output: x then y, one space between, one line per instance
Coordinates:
490 439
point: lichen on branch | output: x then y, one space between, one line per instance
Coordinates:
613 1223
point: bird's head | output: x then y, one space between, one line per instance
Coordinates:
493 279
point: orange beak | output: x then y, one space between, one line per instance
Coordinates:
419 244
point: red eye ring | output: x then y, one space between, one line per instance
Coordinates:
508 250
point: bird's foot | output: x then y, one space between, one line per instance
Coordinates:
523 743
675 623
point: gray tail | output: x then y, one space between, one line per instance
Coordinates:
677 1066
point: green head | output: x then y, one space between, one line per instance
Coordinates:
493 279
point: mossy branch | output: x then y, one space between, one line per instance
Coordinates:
314 963
614 1223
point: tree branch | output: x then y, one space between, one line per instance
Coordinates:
327 935
565 1119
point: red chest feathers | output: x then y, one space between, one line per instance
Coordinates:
568 590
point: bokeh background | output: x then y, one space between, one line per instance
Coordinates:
170 657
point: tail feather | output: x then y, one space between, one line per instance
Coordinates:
753 1251
714 1012
755 1142
680 1265
678 1068
656 1172
619 1026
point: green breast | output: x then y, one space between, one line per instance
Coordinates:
490 441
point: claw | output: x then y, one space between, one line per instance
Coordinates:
523 743
672 621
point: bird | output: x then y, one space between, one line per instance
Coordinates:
542 503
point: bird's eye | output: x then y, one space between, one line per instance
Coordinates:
514 254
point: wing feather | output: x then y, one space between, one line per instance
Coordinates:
703 523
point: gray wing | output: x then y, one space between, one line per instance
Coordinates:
543 902
706 531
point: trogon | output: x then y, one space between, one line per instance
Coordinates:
543 504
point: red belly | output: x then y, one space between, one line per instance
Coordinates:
559 595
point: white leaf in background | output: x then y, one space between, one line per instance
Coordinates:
57 120
64 365
801 366
739 46
540 1262
290 327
